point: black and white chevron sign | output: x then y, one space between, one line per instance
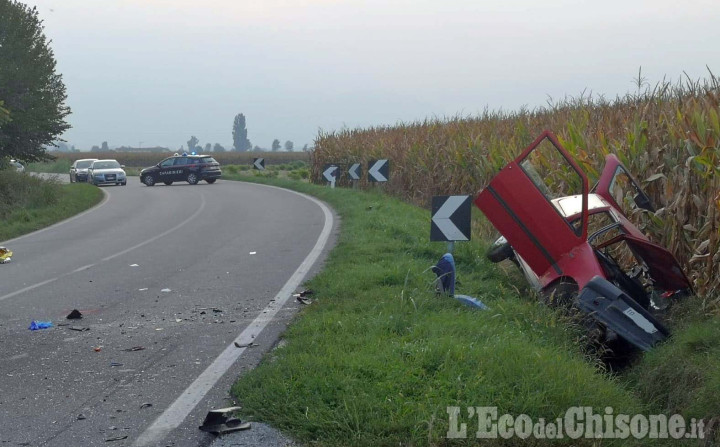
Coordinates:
259 164
355 171
450 218
331 173
378 170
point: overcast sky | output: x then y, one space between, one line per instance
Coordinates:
155 72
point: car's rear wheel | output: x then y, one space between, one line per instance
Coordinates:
192 178
149 180
168 182
499 251
210 180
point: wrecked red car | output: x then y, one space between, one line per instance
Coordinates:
577 247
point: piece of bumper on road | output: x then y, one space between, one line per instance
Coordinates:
620 313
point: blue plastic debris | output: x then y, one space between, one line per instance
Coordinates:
445 271
470 301
37 325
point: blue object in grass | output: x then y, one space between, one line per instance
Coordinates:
37 325
445 271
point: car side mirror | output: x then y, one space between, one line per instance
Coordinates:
643 201
122 166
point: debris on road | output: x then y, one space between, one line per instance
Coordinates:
79 328
134 348
5 255
253 252
146 405
116 438
166 290
143 289
81 417
97 348
245 345
134 265
74 315
221 421
115 364
301 296
37 325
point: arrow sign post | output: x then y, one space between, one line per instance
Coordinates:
259 164
330 173
355 171
450 219
378 170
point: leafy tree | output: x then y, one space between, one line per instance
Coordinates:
192 144
289 146
208 147
95 148
276 145
104 146
239 133
33 93
305 148
218 148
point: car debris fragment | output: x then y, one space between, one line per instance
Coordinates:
221 421
5 255
74 315
37 325
445 282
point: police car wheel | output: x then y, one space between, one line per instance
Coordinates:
149 180
192 178
168 182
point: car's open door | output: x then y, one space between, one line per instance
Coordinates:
518 203
616 183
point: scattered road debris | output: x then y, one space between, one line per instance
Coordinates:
97 348
166 290
134 348
74 315
79 328
245 345
81 417
37 325
5 255
143 289
301 296
115 364
116 438
134 265
221 421
253 252
146 405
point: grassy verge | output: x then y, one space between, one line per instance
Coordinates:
378 358
29 203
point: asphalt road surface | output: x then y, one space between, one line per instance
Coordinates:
152 362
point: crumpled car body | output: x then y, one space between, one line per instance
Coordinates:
578 245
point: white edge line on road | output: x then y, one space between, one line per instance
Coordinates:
62 222
176 413
120 253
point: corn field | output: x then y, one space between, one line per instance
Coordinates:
668 136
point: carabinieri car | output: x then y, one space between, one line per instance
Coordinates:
182 168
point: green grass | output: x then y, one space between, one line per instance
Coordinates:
29 203
378 357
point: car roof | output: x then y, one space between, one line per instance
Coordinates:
108 159
86 159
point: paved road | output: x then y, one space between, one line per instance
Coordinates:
229 253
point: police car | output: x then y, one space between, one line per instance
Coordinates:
182 168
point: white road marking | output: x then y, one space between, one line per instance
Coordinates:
120 253
176 413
